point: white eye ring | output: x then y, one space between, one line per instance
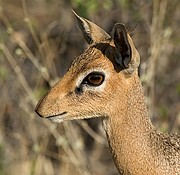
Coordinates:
94 79
87 86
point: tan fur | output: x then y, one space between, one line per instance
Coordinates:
137 148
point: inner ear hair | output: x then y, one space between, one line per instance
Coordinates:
92 33
120 37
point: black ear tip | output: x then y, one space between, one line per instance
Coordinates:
119 26
119 31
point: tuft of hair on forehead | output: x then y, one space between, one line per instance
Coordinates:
91 53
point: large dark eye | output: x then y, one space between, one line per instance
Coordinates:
94 79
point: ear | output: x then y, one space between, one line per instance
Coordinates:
123 47
92 33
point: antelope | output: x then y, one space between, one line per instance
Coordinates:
103 82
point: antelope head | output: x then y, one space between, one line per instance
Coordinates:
95 79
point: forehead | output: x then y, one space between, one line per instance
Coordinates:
91 57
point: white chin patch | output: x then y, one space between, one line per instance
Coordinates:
56 119
60 118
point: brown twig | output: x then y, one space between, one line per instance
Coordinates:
156 35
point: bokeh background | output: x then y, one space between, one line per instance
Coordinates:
38 41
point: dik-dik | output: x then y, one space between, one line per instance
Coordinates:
103 82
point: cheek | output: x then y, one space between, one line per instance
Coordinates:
89 100
86 102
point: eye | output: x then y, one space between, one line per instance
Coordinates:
94 79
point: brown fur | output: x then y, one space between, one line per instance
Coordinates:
137 148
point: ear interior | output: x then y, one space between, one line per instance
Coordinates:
92 33
123 47
85 28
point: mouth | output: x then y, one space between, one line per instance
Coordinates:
58 118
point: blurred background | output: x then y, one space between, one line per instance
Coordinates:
38 41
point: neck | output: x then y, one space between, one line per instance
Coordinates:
129 131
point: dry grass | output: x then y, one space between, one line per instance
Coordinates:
38 40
